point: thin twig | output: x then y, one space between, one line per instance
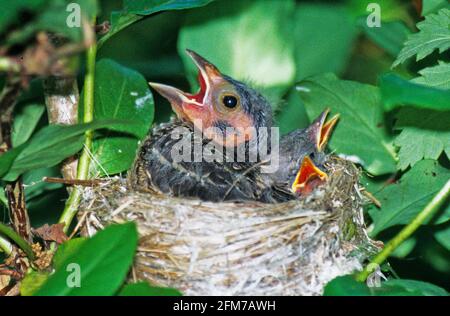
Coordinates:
83 183
12 273
432 207
372 198
79 224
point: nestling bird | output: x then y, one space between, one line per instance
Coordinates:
212 150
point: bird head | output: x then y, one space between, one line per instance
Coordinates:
309 176
225 110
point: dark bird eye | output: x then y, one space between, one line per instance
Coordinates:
229 101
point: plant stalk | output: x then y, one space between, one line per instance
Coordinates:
61 99
73 202
8 231
431 208
9 65
5 246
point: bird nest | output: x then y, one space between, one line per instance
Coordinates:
231 248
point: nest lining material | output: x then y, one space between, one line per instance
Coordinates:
205 248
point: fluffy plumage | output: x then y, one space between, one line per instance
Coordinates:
209 167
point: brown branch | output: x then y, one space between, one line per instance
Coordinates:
61 98
85 183
6 289
103 28
18 210
14 274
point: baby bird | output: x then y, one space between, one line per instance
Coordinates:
301 151
221 143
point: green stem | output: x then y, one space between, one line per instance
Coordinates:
432 207
5 245
73 202
9 232
9 65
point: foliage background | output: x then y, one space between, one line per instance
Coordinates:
304 56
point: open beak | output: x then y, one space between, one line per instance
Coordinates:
321 130
308 178
195 102
175 96
309 175
207 72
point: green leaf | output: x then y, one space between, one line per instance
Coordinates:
103 263
405 248
396 287
67 250
144 289
146 7
122 94
136 10
7 159
53 16
51 145
390 36
374 184
360 131
312 50
430 6
424 134
291 114
402 201
11 10
442 235
33 184
396 91
348 286
434 33
391 10
433 254
25 122
437 76
254 45
32 282
3 198
119 20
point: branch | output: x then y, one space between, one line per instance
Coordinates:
83 164
18 240
62 98
18 210
431 208
6 246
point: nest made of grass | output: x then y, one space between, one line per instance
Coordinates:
230 248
